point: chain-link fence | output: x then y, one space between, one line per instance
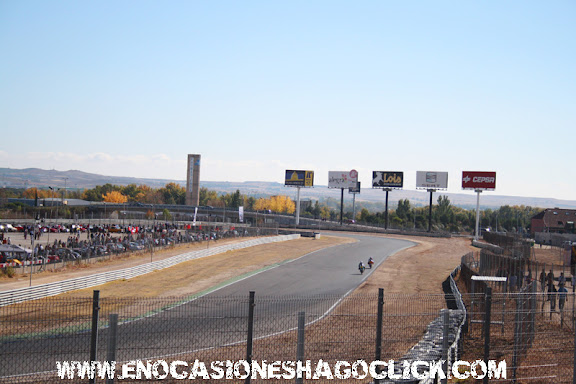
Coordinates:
37 335
536 343
531 315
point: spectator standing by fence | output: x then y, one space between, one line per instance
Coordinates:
552 295
529 276
513 282
561 279
562 291
550 281
542 280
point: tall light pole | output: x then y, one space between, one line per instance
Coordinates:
51 200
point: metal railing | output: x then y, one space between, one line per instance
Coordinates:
56 288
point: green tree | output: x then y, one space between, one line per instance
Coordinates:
236 199
403 211
206 196
173 193
132 192
444 212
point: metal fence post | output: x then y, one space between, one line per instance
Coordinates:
487 329
112 337
300 345
250 337
574 305
533 308
472 304
574 358
446 325
94 335
517 339
379 321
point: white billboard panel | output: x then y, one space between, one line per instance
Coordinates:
431 180
342 179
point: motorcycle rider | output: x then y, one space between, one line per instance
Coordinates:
370 262
361 267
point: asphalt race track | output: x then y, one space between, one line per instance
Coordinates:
313 283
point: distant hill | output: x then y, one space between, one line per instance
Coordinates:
73 179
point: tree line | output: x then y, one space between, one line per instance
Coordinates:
445 216
450 218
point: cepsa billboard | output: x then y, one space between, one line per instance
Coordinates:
478 180
342 179
299 178
383 179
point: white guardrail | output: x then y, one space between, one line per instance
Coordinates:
51 289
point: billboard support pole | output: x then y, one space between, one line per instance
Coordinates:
430 210
477 233
354 206
298 205
341 204
386 209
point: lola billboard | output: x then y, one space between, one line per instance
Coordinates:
383 179
479 180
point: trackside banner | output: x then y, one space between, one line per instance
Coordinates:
479 180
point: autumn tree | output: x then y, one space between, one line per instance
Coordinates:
114 197
280 204
152 196
32 193
99 191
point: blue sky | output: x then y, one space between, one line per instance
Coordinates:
129 88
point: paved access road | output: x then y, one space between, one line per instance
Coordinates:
313 283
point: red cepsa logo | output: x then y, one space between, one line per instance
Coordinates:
478 180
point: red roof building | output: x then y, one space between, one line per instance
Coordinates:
554 220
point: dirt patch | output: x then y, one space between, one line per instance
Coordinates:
195 276
419 269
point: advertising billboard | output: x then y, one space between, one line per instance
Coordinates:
299 178
342 179
431 180
479 180
355 189
385 179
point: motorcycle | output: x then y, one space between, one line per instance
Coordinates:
361 269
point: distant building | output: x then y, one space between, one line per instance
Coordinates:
554 220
